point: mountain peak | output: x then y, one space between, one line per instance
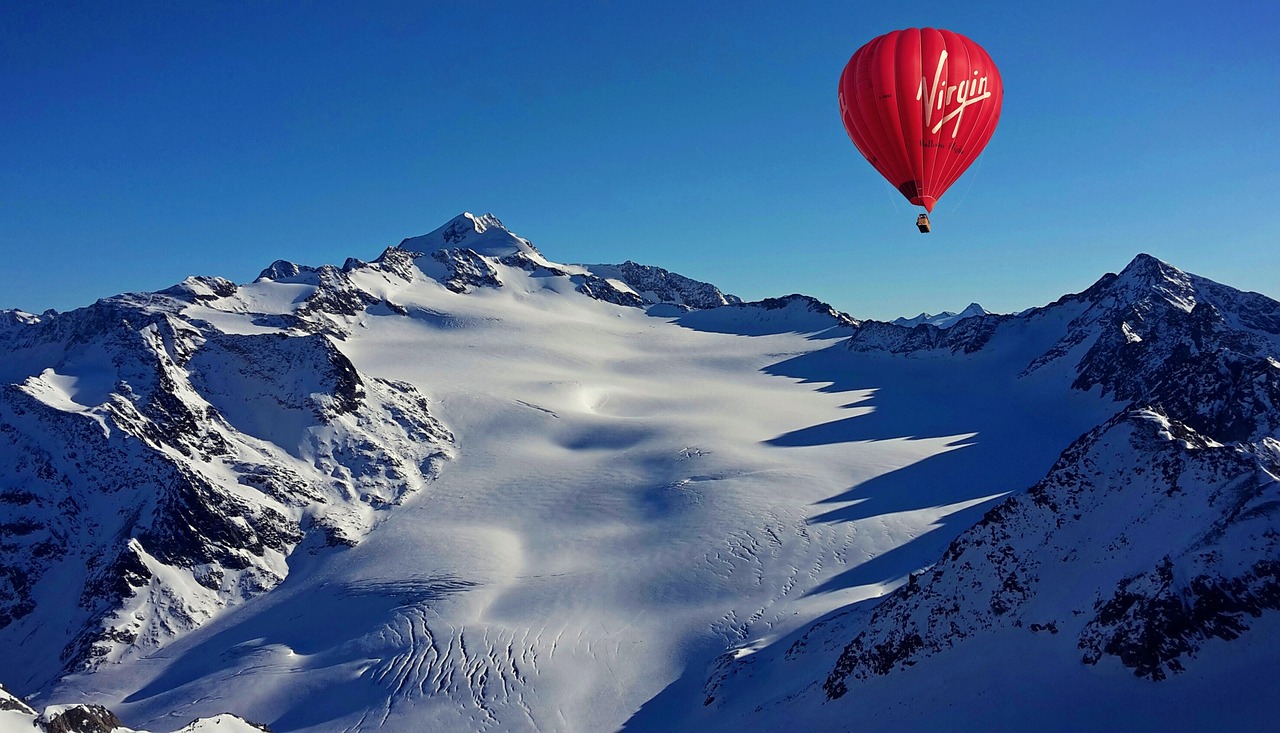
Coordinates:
484 234
1145 267
284 271
945 319
1147 276
480 223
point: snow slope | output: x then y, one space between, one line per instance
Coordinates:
1132 587
643 472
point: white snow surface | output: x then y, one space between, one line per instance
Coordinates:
631 495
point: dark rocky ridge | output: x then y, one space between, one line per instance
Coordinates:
81 719
670 287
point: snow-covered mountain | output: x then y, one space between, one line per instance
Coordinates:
462 486
1149 546
943 319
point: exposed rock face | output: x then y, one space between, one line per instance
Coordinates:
165 456
283 270
1153 622
98 719
963 337
12 318
601 289
79 719
657 285
808 303
225 723
9 701
944 319
204 289
467 270
1104 516
474 250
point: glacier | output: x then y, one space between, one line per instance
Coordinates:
461 486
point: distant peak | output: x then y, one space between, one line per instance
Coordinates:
15 317
945 319
485 234
283 270
1146 271
201 288
464 225
1146 276
482 222
1146 268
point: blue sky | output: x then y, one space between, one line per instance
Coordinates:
141 143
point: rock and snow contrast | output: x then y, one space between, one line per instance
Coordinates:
943 319
16 716
464 487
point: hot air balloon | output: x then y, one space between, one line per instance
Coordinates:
920 104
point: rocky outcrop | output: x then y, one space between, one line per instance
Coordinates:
1104 517
467 270
11 702
601 289
656 285
98 719
79 719
963 337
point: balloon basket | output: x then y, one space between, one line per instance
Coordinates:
922 223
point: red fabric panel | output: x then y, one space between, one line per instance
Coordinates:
920 105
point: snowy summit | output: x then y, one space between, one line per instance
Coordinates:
943 319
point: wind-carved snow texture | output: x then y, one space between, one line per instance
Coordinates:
486 671
167 470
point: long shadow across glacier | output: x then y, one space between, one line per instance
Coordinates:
1004 432
1004 435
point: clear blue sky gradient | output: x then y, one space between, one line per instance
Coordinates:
144 142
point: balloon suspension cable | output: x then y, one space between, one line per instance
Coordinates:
893 195
968 188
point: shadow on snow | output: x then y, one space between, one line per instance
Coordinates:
1001 435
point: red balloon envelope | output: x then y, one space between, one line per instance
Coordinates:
921 104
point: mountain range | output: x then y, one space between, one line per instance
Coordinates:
464 487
